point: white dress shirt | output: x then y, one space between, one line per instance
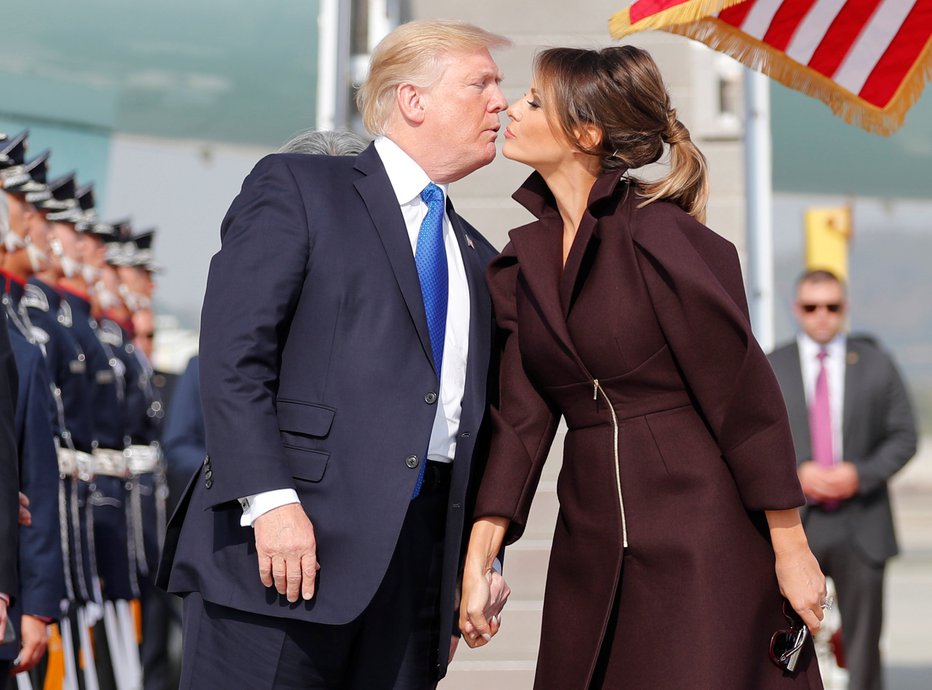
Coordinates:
408 181
836 350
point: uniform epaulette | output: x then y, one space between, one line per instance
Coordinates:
110 333
34 298
64 314
40 336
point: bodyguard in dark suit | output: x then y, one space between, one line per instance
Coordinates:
330 375
854 429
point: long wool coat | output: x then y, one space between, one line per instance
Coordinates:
650 314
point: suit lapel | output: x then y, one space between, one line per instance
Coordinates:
852 384
797 408
376 192
480 311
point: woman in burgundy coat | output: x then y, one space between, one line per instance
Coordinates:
678 534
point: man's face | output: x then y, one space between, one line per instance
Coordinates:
461 114
20 213
820 309
92 250
136 279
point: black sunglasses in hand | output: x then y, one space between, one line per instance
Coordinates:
787 645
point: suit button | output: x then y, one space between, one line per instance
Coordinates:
465 434
206 460
208 483
430 398
411 461
208 475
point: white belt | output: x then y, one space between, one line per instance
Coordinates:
76 463
110 463
142 459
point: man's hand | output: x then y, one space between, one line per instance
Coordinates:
822 484
4 621
287 551
34 634
842 480
500 592
25 517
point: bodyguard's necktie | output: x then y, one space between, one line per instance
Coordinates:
430 257
820 422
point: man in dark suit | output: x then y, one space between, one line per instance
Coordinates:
854 429
345 344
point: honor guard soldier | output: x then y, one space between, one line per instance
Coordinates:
83 247
72 392
40 557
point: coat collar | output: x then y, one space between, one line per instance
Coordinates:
539 246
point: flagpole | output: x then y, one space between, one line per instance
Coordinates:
757 157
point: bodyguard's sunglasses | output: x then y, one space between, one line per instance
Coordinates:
787 645
833 307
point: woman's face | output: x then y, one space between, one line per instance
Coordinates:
531 138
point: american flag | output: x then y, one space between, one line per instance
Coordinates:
867 59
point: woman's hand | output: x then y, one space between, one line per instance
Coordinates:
803 584
476 624
798 573
483 590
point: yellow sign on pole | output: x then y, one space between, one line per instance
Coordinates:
828 231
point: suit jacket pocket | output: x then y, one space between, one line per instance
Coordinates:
306 419
306 464
304 428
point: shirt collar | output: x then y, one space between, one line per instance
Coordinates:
407 178
809 348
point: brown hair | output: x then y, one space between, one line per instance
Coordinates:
820 275
416 53
620 91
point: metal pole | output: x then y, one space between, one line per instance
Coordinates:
333 39
759 206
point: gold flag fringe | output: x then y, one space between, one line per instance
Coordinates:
693 10
691 19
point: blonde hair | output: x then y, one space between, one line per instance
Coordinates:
620 91
415 53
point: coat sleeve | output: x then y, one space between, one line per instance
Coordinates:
897 438
694 281
183 437
41 569
252 289
9 467
523 423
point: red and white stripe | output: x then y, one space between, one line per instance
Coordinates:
867 47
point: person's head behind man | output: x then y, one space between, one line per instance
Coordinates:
821 305
433 89
324 142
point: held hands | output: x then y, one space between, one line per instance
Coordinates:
485 593
25 517
287 551
4 619
823 484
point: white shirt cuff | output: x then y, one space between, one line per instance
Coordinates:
259 504
5 598
497 566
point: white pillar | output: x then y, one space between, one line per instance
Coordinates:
759 206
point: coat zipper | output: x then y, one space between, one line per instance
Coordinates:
596 389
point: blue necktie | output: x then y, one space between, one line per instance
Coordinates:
430 257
